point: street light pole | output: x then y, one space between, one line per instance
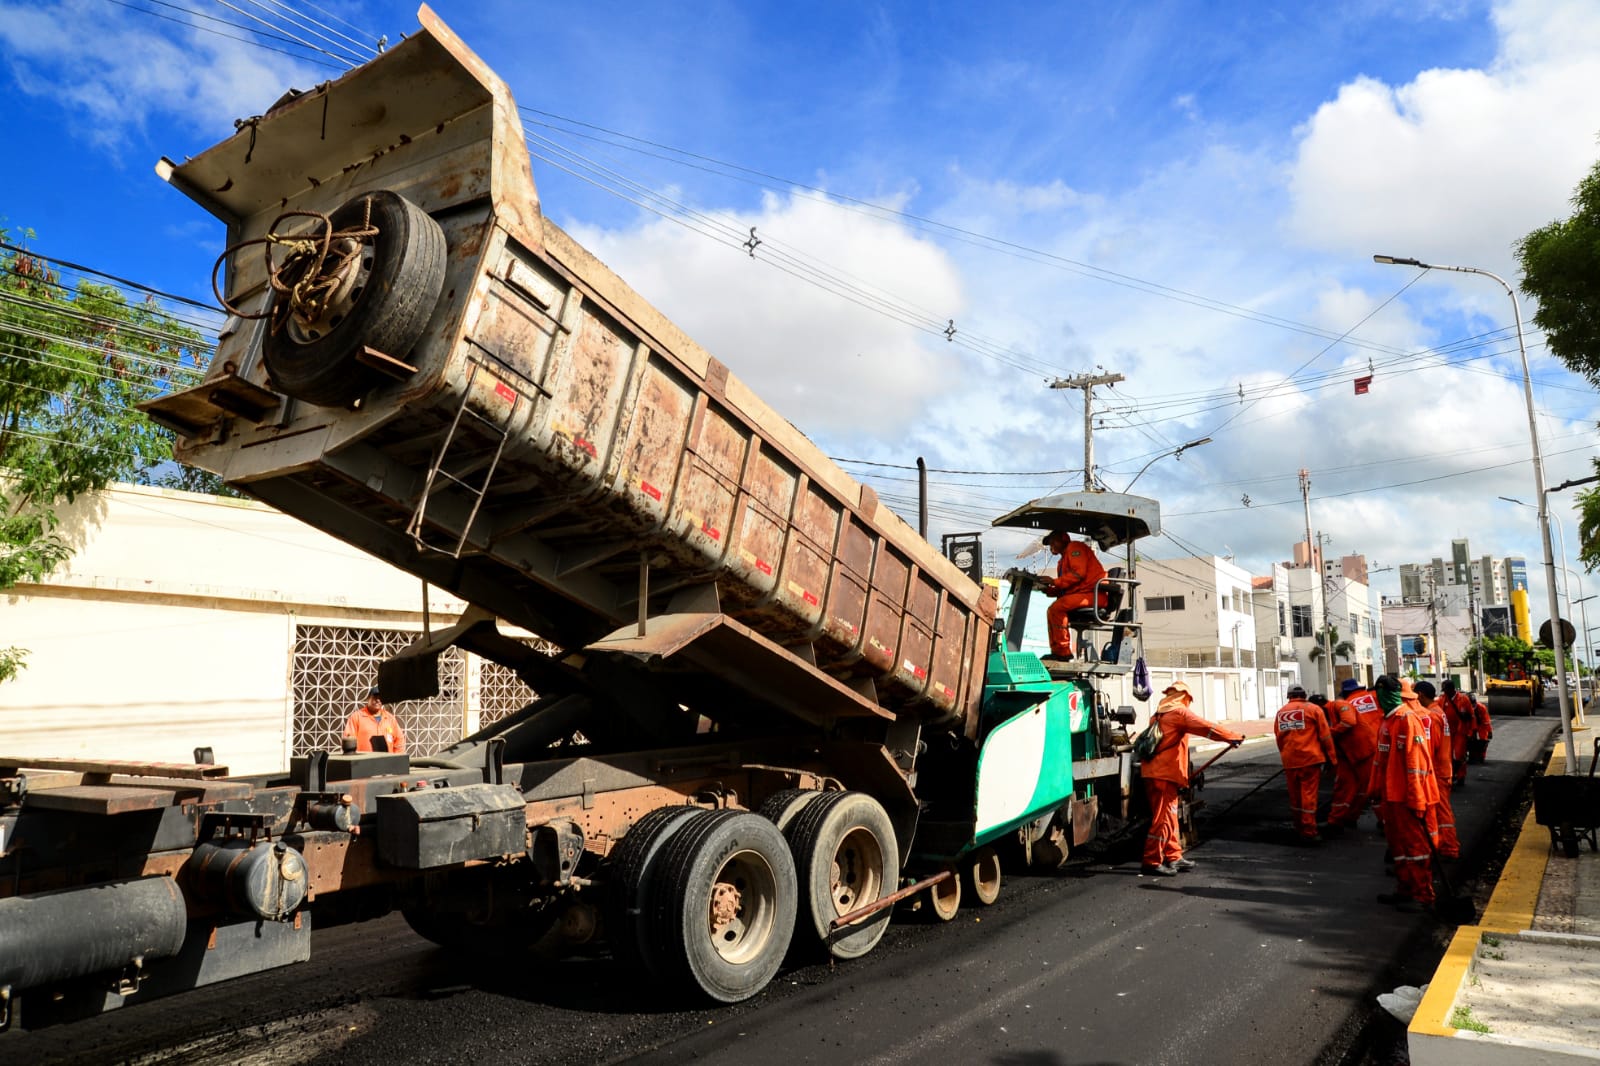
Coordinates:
1588 645
1538 483
1176 453
1566 582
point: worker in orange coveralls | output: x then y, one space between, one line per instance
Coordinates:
1402 782
373 719
1167 771
1304 745
1482 731
1441 743
1457 707
1073 588
1355 735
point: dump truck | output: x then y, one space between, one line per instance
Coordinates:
772 713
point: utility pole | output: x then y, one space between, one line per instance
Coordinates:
1472 607
1087 382
1313 560
1433 621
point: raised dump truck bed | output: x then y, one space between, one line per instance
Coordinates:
771 706
534 436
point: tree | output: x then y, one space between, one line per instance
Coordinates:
1500 650
76 358
1561 270
1342 649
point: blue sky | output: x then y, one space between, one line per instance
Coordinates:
1185 193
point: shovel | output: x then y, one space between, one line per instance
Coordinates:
1198 778
1452 907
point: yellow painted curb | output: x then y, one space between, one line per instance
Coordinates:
1511 910
1440 998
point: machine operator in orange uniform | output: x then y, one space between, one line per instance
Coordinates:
1077 574
1356 737
1402 782
1304 745
1441 744
1167 771
373 719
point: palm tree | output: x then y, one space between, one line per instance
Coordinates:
1342 649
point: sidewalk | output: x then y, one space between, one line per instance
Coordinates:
1523 985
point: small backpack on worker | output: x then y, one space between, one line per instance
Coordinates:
1148 740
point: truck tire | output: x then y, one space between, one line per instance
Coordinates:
845 857
632 863
944 899
722 906
401 275
981 874
781 807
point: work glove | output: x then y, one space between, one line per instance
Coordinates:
1235 743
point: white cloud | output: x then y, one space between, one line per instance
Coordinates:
1455 165
117 75
827 363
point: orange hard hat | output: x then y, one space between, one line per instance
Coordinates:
1408 691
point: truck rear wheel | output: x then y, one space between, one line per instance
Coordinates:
721 905
632 864
394 280
781 807
845 857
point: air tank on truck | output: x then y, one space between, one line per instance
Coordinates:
773 710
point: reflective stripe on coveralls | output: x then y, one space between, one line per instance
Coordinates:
1304 744
1402 780
1352 780
1440 746
1167 771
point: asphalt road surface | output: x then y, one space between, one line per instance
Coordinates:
1266 953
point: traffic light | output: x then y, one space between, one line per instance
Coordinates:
1422 645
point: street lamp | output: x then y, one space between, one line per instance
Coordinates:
1538 485
1176 453
1566 579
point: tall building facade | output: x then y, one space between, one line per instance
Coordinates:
1447 581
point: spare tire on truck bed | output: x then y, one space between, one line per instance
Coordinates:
385 304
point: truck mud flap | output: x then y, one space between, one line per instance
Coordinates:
444 826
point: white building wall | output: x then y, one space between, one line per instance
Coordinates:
173 626
1209 642
146 681
1347 598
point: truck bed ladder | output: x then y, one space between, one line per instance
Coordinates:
497 432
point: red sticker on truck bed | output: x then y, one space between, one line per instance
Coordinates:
649 490
505 392
583 444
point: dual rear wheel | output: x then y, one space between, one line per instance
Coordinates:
710 901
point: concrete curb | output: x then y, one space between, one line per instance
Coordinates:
1511 909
